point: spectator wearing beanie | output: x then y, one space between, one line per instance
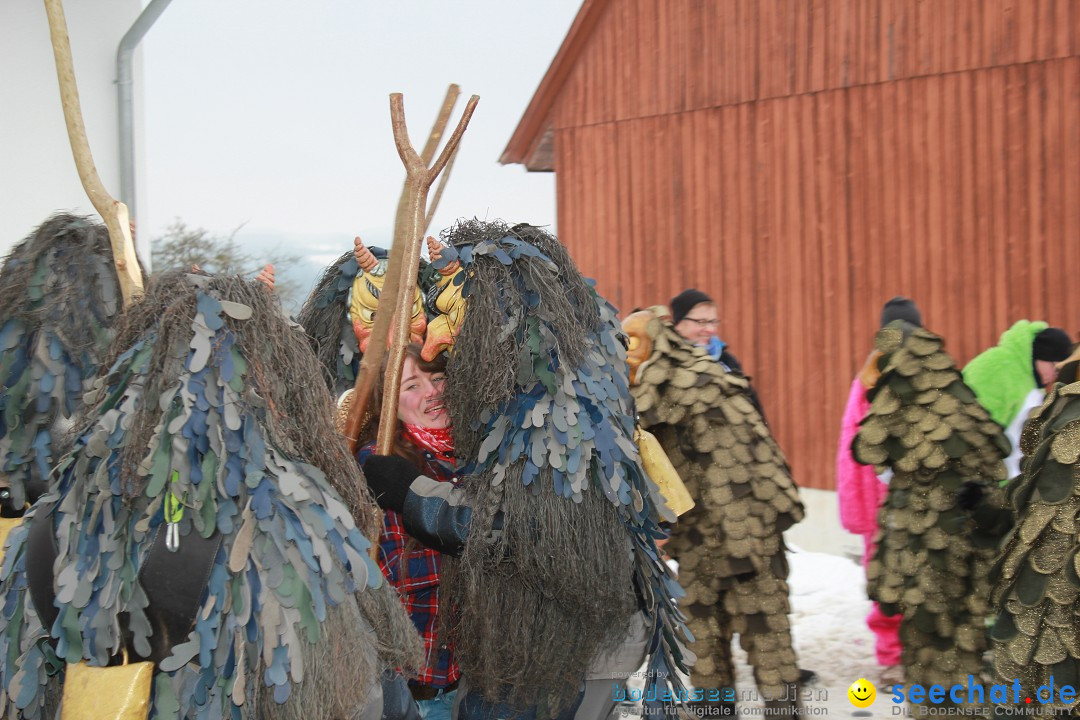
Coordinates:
1009 378
900 308
860 492
1051 348
695 317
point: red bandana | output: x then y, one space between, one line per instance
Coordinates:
439 441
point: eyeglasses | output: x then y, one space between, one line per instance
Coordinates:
702 322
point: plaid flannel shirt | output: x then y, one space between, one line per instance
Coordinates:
415 574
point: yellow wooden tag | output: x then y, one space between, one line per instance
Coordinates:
662 472
6 526
121 692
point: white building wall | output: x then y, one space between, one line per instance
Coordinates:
37 173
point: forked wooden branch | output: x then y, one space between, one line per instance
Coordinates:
381 330
420 179
113 212
400 285
368 373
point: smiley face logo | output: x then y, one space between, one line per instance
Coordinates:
862 693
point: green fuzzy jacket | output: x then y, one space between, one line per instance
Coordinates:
1003 375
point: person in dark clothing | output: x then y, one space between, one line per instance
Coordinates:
695 317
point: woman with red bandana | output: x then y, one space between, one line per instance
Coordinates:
425 441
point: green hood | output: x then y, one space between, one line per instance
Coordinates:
1003 375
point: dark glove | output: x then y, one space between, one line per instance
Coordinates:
969 495
389 478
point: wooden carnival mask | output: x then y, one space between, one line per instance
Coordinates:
640 342
364 298
449 304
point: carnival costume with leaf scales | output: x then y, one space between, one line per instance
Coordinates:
58 302
933 553
217 404
730 546
325 318
537 388
1036 579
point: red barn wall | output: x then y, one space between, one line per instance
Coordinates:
805 161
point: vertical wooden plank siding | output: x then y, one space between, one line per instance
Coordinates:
1035 184
804 160
964 215
1069 253
649 57
1053 198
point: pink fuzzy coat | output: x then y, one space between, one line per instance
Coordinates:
857 486
860 493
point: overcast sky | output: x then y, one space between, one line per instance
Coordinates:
274 114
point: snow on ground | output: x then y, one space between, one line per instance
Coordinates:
829 608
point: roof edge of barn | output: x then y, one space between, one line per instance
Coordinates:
531 144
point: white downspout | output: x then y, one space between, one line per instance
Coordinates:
126 103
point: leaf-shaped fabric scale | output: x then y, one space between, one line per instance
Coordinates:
1055 482
1065 447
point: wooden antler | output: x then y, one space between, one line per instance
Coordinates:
113 212
400 285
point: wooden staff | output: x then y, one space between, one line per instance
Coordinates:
419 178
400 284
371 363
113 212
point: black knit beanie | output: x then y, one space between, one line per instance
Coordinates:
900 308
1051 344
685 301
